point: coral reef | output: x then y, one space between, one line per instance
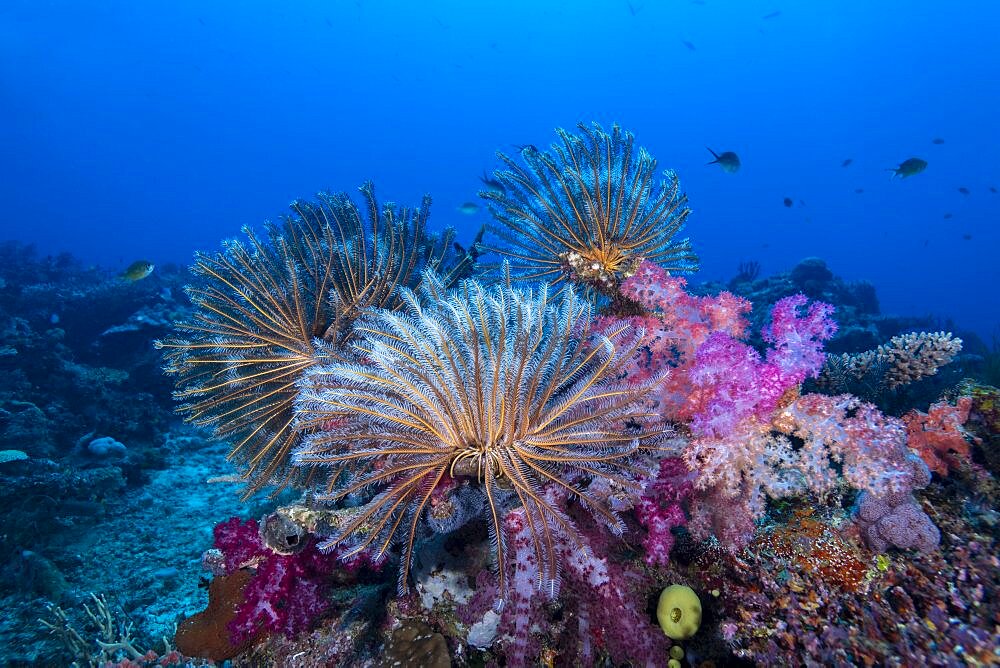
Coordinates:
489 475
805 593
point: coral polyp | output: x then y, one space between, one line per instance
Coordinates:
261 306
589 212
502 388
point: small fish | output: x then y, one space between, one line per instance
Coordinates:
468 208
847 162
773 15
909 167
963 190
471 253
937 140
492 184
729 161
993 190
788 202
689 45
859 190
967 236
631 8
138 270
531 148
947 216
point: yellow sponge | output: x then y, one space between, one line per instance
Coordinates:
679 612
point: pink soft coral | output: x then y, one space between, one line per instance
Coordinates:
661 509
937 435
838 438
677 324
605 595
287 593
732 381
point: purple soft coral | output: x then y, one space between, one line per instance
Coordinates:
287 593
796 341
660 509
736 384
607 599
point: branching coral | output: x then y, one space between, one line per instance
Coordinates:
590 211
260 305
497 385
904 359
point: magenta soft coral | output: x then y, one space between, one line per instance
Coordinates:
287 594
606 597
733 382
677 324
661 509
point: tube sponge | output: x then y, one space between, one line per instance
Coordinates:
679 612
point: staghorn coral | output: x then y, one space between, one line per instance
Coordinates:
496 385
261 305
589 212
904 359
112 644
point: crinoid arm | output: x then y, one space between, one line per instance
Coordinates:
505 388
268 309
588 211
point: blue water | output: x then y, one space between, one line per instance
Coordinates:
151 129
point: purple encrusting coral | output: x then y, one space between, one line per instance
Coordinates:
894 519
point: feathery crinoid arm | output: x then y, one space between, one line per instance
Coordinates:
505 389
588 211
261 307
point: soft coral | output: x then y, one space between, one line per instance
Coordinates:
286 593
733 382
937 435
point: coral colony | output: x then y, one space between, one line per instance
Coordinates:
559 454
